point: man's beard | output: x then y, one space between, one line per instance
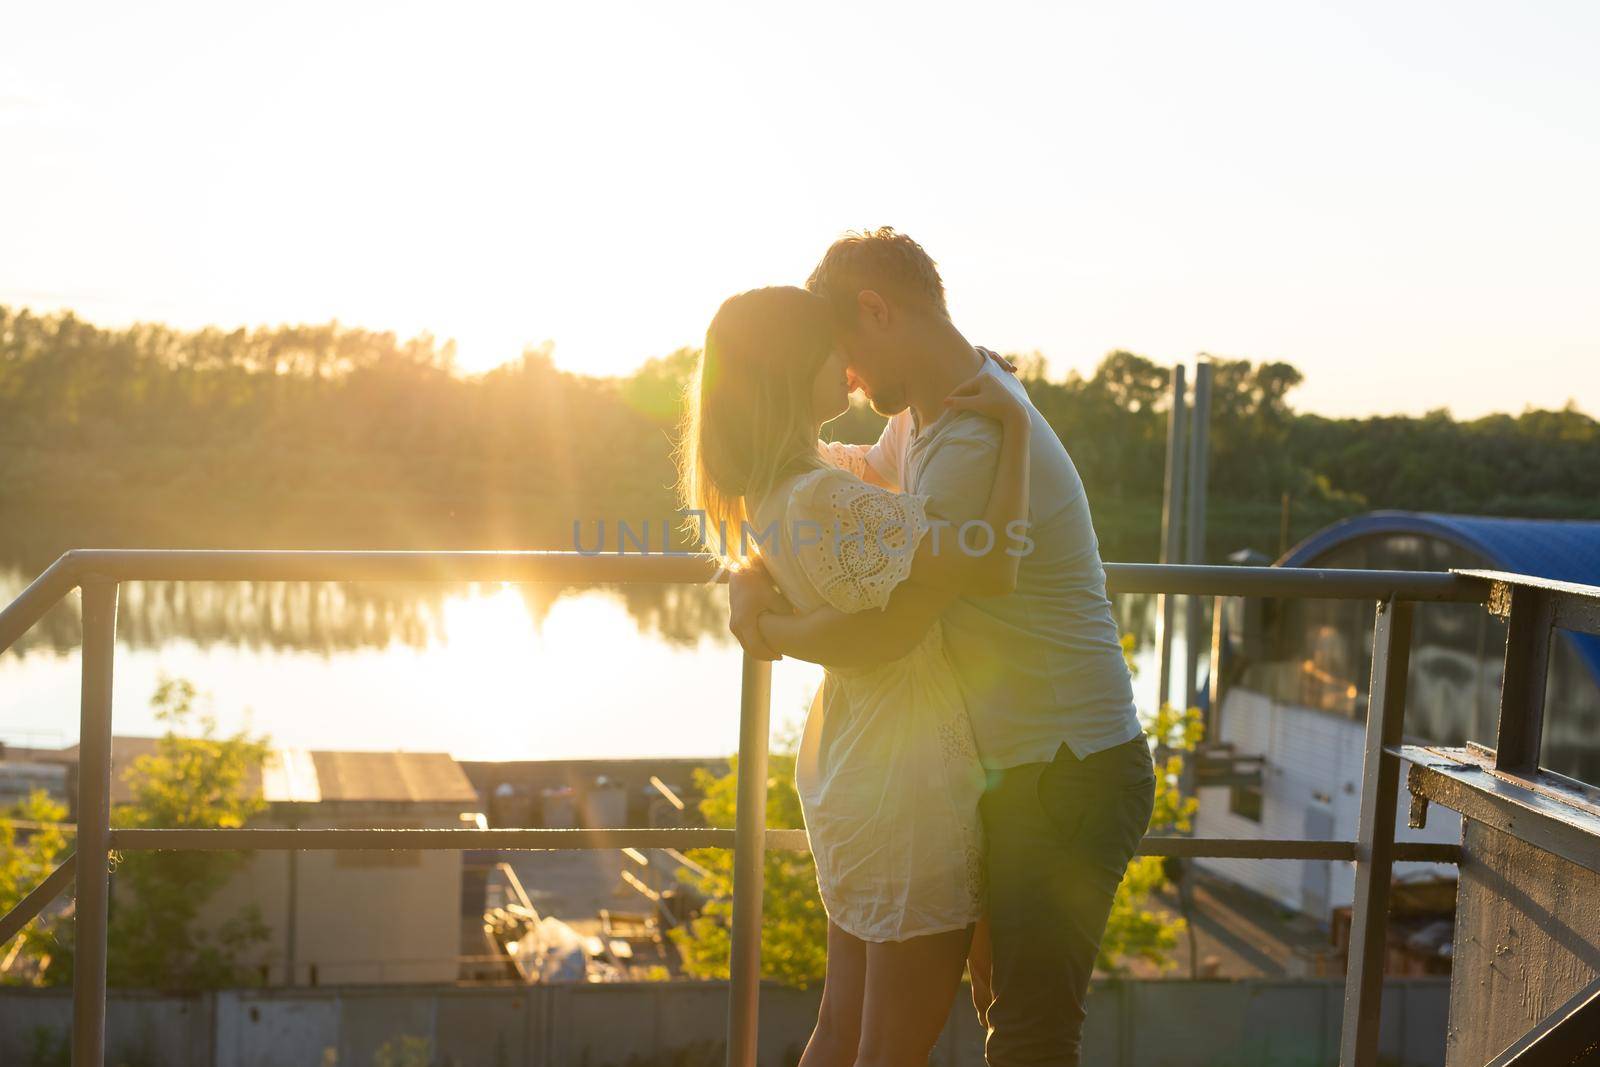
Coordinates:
888 403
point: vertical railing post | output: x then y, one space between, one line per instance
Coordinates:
92 909
290 933
749 845
1380 786
1530 616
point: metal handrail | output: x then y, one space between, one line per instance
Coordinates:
98 571
72 568
1569 1035
185 564
156 839
42 594
55 883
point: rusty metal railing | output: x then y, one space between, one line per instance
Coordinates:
98 573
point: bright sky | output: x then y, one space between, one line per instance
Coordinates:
1399 198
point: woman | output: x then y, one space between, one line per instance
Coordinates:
887 773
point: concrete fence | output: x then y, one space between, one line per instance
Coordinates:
1285 1023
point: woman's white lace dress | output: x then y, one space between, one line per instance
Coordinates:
888 775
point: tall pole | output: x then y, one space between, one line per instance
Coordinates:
1283 525
91 911
1199 458
1171 525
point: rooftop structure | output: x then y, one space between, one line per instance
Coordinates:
305 776
1556 549
1295 681
372 917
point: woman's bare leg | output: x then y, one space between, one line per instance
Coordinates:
980 968
910 987
838 1031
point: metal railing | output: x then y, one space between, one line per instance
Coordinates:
98 573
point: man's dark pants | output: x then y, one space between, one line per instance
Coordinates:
1059 837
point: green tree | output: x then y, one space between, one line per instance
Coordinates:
336 436
656 388
794 926
195 779
1132 382
1135 930
31 846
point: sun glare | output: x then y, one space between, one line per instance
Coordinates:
488 177
488 624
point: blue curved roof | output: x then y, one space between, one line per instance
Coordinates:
1563 550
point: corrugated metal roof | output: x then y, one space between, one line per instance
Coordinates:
313 777
418 776
1564 550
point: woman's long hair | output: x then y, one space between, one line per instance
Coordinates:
748 421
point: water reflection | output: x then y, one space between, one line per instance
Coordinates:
333 617
484 671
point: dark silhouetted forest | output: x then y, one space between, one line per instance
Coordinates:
330 436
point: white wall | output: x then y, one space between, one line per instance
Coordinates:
361 917
1313 764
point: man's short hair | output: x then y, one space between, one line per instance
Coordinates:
884 261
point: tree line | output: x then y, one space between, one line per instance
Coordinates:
334 436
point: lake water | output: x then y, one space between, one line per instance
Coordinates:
495 671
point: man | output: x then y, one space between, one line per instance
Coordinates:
1070 779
